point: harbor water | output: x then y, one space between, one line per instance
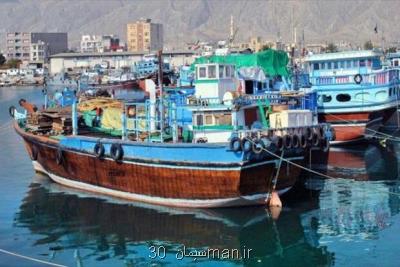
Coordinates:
352 220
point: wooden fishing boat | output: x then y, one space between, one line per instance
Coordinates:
356 94
229 154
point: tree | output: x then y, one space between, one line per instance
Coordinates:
391 50
2 59
368 45
265 47
13 63
331 48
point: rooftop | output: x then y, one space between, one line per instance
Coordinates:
115 54
344 55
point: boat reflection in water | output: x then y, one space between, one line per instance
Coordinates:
103 233
374 162
358 210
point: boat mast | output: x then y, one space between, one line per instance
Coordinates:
160 86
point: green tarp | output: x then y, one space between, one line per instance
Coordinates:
273 62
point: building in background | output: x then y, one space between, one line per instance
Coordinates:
57 42
115 60
91 44
111 43
39 52
144 35
100 44
19 44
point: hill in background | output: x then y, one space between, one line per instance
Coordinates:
191 20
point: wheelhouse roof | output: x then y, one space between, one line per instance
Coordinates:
343 55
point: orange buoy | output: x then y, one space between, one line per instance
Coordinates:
274 200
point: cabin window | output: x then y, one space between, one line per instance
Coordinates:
335 65
208 119
223 119
212 72
326 65
396 63
227 71
202 72
316 66
340 65
362 63
326 98
221 71
369 63
343 97
355 63
199 120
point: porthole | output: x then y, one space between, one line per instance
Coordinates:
343 97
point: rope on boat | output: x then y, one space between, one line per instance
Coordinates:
312 171
388 136
31 259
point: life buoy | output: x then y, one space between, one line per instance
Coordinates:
257 146
295 141
59 156
358 78
246 145
324 145
234 144
11 111
287 141
99 150
116 152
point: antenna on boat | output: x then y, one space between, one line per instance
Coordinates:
160 86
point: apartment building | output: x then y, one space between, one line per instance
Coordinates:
20 44
144 35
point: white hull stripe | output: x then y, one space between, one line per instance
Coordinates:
176 202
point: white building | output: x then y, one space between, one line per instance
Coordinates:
38 51
92 44
116 60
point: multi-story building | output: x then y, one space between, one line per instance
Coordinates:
144 35
111 43
100 44
39 51
92 44
19 44
57 42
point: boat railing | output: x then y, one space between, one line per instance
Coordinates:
388 76
144 121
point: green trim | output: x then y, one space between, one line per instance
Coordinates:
213 127
207 81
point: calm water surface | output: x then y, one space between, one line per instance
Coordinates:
352 221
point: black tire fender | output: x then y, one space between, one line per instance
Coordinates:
99 150
116 152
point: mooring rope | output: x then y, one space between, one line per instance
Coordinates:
388 136
31 259
312 171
